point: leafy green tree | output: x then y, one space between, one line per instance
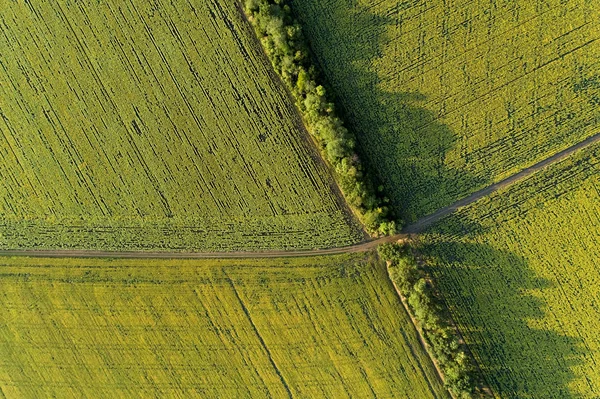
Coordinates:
284 43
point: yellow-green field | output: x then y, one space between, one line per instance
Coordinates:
520 273
152 124
323 327
446 97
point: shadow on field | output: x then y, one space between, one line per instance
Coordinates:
501 300
406 145
399 138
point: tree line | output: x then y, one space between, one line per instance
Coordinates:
285 45
461 376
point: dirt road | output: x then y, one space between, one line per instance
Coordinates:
423 223
415 228
76 253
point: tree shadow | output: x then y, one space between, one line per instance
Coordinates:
498 302
497 296
399 139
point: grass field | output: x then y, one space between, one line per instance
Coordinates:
308 327
447 98
153 124
520 272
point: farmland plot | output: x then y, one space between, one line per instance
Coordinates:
324 327
447 97
152 124
520 273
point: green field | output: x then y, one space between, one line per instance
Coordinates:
520 272
162 126
151 124
446 98
304 327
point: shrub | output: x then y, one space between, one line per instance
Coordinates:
433 320
286 47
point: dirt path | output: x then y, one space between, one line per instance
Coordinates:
423 223
77 253
417 227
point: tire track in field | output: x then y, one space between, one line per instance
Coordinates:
415 228
260 338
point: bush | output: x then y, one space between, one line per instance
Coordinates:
286 47
435 324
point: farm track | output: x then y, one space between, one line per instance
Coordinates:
414 228
427 221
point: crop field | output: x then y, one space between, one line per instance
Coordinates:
448 98
153 124
303 327
520 272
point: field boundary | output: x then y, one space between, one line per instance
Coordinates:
420 337
429 220
366 238
486 387
285 45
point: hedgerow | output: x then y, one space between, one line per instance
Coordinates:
460 374
287 48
